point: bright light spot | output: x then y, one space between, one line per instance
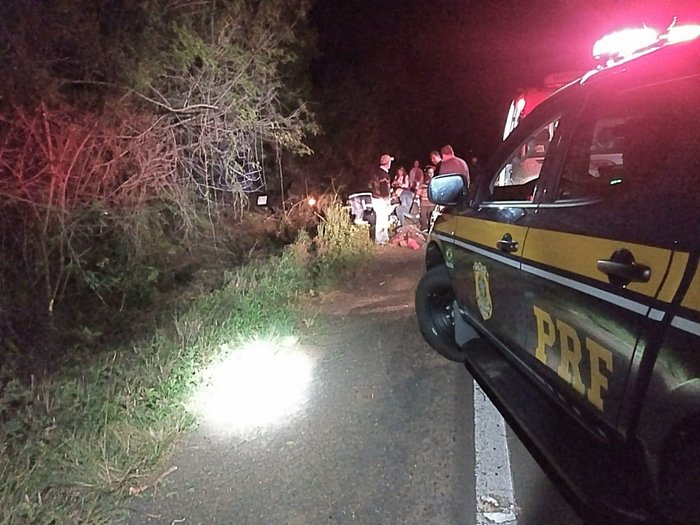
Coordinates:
513 118
625 43
289 340
510 121
312 201
254 386
682 33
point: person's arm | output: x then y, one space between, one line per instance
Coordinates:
374 183
466 173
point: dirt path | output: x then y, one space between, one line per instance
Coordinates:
380 436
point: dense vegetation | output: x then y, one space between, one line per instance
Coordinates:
78 442
132 135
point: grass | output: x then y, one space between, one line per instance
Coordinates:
75 443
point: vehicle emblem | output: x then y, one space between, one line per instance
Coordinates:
449 257
483 294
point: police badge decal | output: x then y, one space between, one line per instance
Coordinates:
483 294
449 257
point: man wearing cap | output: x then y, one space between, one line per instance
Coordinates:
381 198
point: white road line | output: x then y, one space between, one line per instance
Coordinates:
495 500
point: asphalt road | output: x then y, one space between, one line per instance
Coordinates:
377 429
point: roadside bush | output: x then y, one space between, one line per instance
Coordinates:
129 135
77 442
127 132
81 195
340 243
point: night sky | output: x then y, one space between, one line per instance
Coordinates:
445 71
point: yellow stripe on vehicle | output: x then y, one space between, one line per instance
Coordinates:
675 274
488 233
446 224
579 254
692 296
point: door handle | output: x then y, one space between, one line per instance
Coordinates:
507 244
622 269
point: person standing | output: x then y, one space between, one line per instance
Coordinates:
381 198
453 164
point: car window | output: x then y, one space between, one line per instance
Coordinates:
631 140
517 179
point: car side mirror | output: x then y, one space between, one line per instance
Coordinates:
446 189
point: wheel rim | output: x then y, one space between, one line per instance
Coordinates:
441 310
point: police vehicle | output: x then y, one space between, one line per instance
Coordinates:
567 280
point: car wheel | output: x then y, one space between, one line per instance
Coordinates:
435 312
680 489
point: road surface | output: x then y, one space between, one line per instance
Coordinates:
357 421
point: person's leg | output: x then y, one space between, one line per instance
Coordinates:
406 199
377 209
381 210
400 210
414 211
426 208
387 211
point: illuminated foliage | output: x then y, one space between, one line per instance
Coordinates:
128 127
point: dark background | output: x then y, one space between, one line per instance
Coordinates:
432 73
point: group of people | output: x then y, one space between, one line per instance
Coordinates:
408 189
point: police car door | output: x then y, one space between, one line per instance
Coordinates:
598 262
489 236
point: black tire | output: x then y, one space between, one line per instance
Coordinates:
435 313
679 486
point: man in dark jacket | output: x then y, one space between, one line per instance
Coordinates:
381 198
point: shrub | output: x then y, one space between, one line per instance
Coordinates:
340 243
74 442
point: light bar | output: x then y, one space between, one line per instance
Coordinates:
625 43
682 33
